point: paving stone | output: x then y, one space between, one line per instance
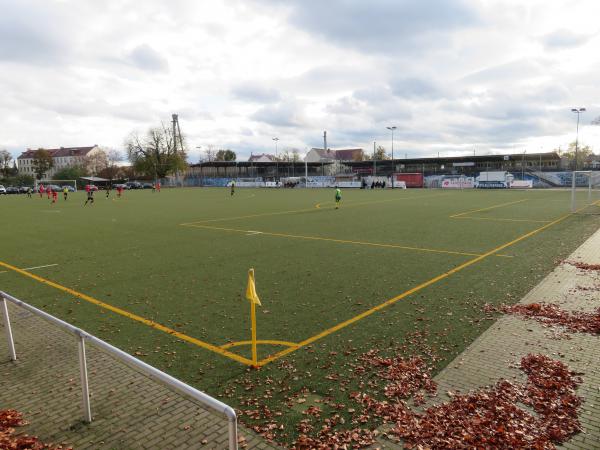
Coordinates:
130 409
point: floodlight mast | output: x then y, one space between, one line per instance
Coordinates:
276 139
392 128
577 111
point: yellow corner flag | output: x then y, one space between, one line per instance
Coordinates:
251 289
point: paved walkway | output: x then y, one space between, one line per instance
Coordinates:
131 410
491 356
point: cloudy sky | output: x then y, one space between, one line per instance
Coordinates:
453 76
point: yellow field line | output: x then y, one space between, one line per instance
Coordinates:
260 341
501 220
135 317
421 286
340 241
488 208
293 211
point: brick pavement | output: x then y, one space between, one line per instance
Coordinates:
491 356
130 409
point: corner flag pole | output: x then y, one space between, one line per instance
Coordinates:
253 318
254 300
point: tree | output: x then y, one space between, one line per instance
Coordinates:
380 154
156 154
112 169
225 155
71 173
583 153
96 162
295 155
42 163
209 153
5 159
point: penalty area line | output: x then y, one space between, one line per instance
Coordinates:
409 292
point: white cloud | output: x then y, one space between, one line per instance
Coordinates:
494 74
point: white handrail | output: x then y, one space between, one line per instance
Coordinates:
83 336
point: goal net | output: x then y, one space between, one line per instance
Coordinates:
585 192
61 183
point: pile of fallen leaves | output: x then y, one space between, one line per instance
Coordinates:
584 266
536 414
492 418
9 419
552 315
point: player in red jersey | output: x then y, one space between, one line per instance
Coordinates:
54 196
41 190
48 192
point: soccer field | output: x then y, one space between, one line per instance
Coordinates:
163 275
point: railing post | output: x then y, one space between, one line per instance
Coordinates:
8 329
85 389
233 439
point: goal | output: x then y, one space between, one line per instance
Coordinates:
61 183
585 185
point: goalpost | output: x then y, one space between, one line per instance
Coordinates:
593 179
61 183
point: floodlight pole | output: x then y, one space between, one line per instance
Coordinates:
276 139
374 159
577 111
392 130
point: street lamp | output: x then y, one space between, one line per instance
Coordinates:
577 111
276 139
392 130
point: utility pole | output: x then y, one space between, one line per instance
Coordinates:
374 159
392 130
577 111
276 139
176 134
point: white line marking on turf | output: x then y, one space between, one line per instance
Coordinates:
31 268
39 267
252 233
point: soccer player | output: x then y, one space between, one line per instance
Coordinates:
119 191
48 191
232 188
338 197
158 186
28 192
107 190
65 192
41 190
54 196
90 197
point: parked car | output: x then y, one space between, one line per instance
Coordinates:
91 187
134 185
54 187
2 190
12 190
123 186
147 185
23 189
69 188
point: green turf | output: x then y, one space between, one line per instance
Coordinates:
134 253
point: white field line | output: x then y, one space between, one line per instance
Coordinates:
39 267
32 268
252 233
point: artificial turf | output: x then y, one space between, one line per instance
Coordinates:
180 257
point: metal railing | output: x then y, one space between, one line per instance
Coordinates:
83 336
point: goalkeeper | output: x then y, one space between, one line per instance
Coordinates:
338 197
